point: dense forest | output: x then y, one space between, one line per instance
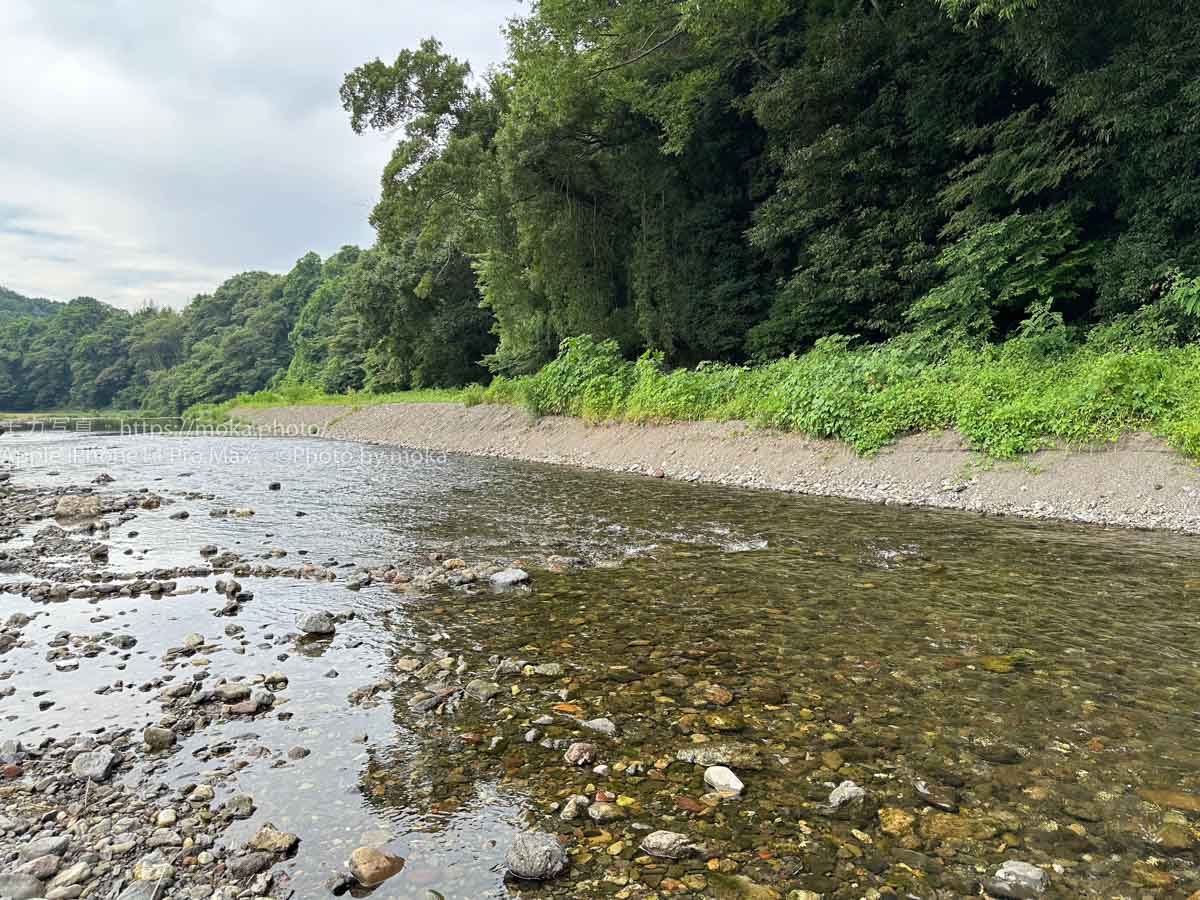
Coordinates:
733 181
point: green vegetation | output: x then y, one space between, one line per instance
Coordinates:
848 217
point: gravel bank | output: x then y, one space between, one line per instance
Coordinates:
1136 483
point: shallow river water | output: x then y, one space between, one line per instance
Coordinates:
1040 679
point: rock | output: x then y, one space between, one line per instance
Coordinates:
20 887
535 857
193 641
319 623
42 867
158 739
72 875
370 866
667 845
201 793
574 807
482 689
548 670
845 794
739 756
722 779
248 865
895 821
144 890
239 806
510 577
154 867
272 840
605 812
1018 881
73 506
581 753
48 846
95 765
605 727
233 692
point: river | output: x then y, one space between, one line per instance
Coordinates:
1038 679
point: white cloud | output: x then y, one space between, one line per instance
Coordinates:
148 151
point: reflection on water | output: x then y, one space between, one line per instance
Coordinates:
1042 675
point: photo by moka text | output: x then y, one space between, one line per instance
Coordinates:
69 440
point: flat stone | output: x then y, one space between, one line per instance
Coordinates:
20 887
1018 880
371 866
95 765
722 753
72 875
272 840
605 727
510 577
47 846
667 845
482 689
535 857
247 865
42 867
605 812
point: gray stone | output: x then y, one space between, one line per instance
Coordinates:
20 887
157 738
79 507
95 765
239 806
72 875
481 689
602 812
47 846
316 623
233 692
42 867
667 845
605 726
535 857
845 793
740 756
144 890
1018 881
250 864
574 807
510 577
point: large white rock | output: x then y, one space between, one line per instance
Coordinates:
722 779
535 857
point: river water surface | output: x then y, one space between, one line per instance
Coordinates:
1040 679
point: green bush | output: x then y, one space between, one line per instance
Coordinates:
1042 387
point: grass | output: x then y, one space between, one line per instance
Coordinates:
217 413
1033 391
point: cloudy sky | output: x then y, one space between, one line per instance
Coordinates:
148 150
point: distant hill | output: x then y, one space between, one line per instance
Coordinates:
16 306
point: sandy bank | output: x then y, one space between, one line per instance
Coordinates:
1138 482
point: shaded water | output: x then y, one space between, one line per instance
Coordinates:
1045 674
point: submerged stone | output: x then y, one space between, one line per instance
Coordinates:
535 857
1018 880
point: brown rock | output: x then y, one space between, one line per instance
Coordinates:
370 866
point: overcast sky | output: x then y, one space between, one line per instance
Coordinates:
149 150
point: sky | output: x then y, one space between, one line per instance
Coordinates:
149 150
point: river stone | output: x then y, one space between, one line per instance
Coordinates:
510 577
193 641
95 765
738 756
47 846
272 840
42 867
535 857
1018 881
573 807
158 738
250 864
482 689
20 887
602 812
233 692
316 623
606 727
239 806
667 844
845 793
722 779
78 507
154 867
370 866
581 753
144 890
71 875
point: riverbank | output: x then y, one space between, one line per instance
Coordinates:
1138 482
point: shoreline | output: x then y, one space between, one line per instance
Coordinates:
1137 482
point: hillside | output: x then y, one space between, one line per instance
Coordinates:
16 306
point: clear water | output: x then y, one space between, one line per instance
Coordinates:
1048 672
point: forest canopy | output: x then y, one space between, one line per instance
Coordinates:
710 180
